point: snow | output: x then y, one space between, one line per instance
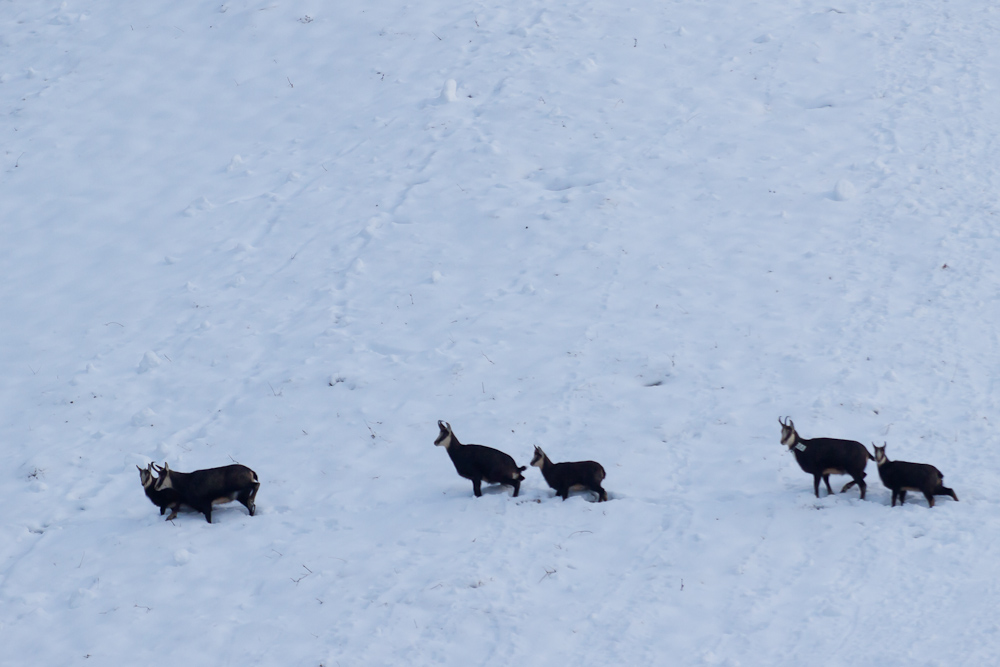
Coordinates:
296 237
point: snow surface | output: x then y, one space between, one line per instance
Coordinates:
296 234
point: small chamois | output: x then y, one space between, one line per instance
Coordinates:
822 457
903 476
571 476
479 463
201 489
165 499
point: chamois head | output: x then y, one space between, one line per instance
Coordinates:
538 459
880 456
444 438
163 478
788 433
146 476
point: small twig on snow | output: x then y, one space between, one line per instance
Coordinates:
304 575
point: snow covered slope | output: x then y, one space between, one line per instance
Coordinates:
296 234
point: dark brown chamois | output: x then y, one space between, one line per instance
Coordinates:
164 499
480 463
903 476
822 457
203 488
571 475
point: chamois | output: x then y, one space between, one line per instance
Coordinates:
478 463
822 457
903 476
162 499
571 476
203 488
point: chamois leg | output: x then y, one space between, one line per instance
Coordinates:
245 498
945 491
602 495
860 481
247 495
902 496
930 499
477 486
826 480
816 479
252 496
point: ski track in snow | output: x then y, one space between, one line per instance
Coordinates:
293 239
